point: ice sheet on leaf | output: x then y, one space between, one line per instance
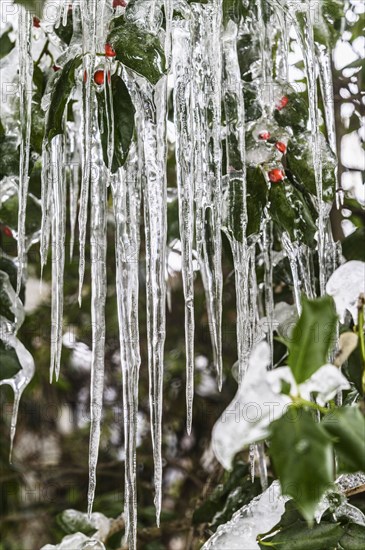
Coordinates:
249 414
259 516
77 541
345 285
325 382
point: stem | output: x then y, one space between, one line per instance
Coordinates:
303 402
44 51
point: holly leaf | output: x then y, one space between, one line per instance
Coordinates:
301 537
353 245
6 45
354 537
294 115
290 213
302 456
65 82
347 426
312 337
137 49
123 123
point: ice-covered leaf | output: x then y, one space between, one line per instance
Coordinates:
347 426
345 286
325 383
77 541
60 94
249 414
301 453
291 214
260 515
9 156
312 337
123 122
6 45
299 159
9 362
353 538
139 50
295 114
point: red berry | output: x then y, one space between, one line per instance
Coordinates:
36 22
7 231
121 3
281 147
276 175
283 102
99 77
56 68
264 135
109 51
85 76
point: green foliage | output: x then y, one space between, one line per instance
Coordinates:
34 6
6 45
352 245
301 453
139 50
347 427
312 337
122 124
62 88
9 362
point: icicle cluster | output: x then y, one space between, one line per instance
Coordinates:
222 158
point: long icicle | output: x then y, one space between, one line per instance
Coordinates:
58 249
98 296
185 182
25 85
126 201
153 134
206 55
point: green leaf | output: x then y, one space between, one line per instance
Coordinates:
9 362
294 115
324 536
353 246
354 537
123 113
299 159
9 267
302 456
139 50
34 6
73 521
347 426
65 32
312 337
65 81
6 45
290 213
9 156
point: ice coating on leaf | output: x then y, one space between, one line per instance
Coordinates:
259 516
255 405
345 286
11 301
325 383
76 541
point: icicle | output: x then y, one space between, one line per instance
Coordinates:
206 101
46 189
153 136
268 283
73 166
185 181
21 379
58 250
291 252
126 201
261 460
89 18
98 297
251 459
25 85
